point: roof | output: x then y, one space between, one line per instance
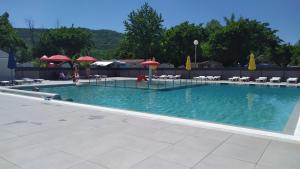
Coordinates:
102 63
107 62
132 61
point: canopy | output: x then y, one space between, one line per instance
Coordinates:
107 62
188 66
86 59
251 65
59 58
102 63
150 62
44 58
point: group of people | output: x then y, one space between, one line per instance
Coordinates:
75 75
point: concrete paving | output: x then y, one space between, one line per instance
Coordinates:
41 134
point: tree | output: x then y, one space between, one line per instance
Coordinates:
295 60
68 41
30 24
9 39
282 55
178 42
143 33
8 36
237 39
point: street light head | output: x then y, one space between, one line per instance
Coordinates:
196 42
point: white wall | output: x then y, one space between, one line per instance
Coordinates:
4 71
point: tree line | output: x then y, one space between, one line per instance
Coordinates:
146 37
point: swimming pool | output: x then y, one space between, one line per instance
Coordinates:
260 107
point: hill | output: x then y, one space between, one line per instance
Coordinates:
103 39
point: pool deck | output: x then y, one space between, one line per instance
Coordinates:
42 134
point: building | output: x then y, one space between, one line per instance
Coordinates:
5 73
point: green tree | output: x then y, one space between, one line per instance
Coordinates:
295 60
237 39
68 41
9 39
143 33
178 42
282 55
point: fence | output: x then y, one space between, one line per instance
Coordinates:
225 73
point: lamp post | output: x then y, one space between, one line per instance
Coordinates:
196 43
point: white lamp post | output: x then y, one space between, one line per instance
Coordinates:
196 43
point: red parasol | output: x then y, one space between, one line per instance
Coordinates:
44 58
150 62
86 59
59 58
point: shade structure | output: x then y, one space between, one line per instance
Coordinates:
44 58
59 58
152 65
86 59
251 65
188 66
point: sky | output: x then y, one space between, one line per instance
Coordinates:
283 15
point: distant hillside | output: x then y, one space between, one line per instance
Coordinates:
103 39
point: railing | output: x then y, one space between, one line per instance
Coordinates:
154 84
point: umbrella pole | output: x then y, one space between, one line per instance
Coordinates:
150 75
11 76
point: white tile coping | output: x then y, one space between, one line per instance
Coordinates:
180 121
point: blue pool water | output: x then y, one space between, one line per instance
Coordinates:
264 108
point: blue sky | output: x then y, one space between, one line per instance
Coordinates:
283 15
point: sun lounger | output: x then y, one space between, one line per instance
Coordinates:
170 76
4 83
275 79
217 77
163 77
234 78
210 78
18 82
261 79
28 80
245 79
177 76
292 80
38 80
200 78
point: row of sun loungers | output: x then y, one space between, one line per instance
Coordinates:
21 81
167 77
263 79
207 78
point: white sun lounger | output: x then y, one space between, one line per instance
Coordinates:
245 79
210 78
261 79
234 78
163 77
170 76
275 79
177 76
38 80
4 83
200 78
292 80
28 80
217 77
18 82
